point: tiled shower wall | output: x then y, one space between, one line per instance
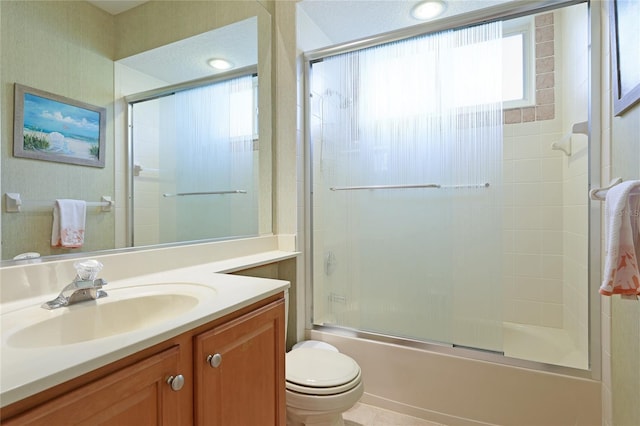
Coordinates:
545 190
533 197
574 92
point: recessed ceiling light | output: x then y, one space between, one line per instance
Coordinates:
428 9
220 64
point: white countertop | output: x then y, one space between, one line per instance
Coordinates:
28 370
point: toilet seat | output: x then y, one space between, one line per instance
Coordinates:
317 344
317 391
313 371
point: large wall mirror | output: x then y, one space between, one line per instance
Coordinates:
81 52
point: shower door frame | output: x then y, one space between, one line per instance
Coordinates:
161 92
499 12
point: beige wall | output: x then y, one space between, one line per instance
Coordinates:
289 151
158 23
64 48
620 318
288 146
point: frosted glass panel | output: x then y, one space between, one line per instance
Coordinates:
407 177
199 170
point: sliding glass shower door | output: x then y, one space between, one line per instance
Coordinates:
195 168
406 188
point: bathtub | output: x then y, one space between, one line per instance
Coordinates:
455 386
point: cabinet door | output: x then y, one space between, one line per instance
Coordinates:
137 395
239 371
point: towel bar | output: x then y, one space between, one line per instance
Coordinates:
14 203
599 194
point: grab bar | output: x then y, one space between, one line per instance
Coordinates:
425 185
182 194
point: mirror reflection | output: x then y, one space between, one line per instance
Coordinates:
195 163
106 61
194 145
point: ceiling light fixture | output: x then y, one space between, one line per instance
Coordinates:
220 64
428 9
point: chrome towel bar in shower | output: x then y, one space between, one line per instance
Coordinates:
182 194
424 185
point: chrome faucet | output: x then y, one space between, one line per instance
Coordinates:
83 287
78 291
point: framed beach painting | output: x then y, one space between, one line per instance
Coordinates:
625 54
54 128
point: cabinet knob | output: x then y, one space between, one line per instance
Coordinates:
214 360
176 382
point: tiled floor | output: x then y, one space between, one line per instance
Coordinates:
367 415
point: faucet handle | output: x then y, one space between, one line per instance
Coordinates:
87 269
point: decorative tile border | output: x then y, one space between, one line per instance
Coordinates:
545 76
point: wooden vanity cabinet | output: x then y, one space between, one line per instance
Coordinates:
239 370
246 388
137 395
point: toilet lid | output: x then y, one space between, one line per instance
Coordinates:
319 368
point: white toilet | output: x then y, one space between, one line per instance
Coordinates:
322 383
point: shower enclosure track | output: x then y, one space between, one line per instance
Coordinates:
424 185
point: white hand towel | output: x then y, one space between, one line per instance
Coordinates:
68 223
622 217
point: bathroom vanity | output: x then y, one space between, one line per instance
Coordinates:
228 371
217 360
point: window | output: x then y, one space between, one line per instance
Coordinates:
518 87
416 92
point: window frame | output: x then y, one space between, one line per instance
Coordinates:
524 26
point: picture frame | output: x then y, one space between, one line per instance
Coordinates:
54 128
625 54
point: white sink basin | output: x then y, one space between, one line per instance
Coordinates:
125 310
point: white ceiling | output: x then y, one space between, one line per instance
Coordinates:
186 60
116 6
338 21
347 20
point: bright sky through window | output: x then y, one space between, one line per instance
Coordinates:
513 67
407 81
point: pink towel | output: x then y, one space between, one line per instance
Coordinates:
68 223
622 216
